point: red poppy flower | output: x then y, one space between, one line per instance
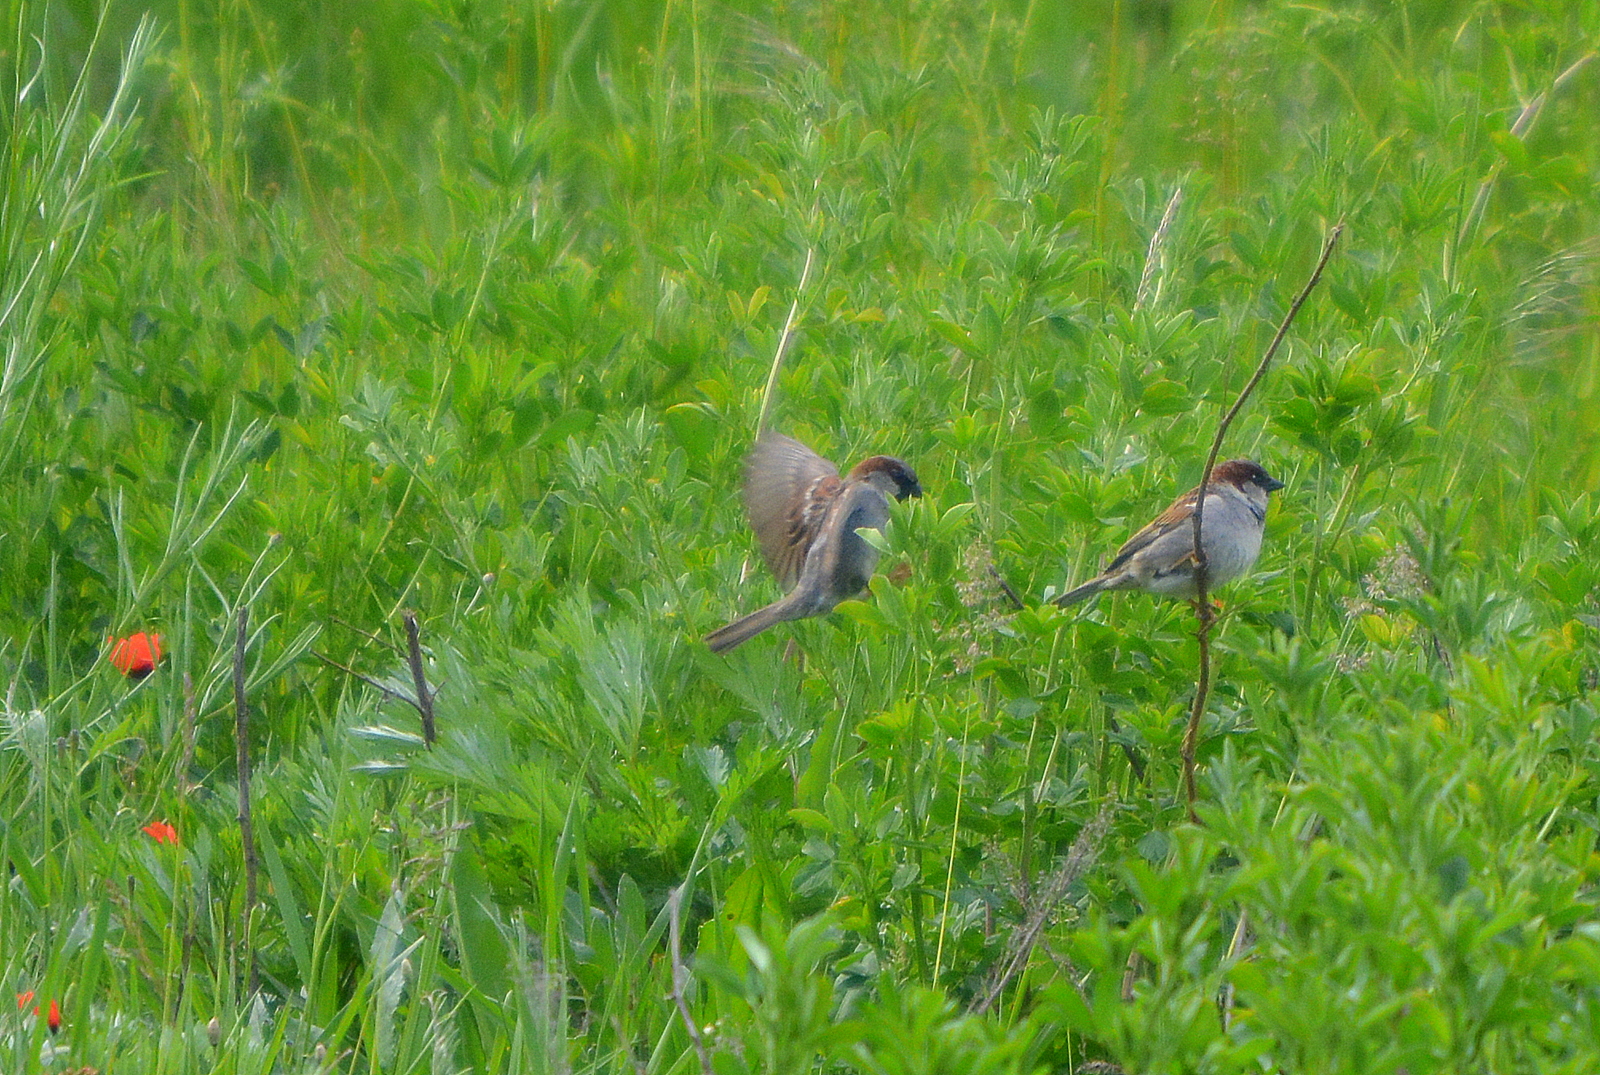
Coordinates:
137 655
162 833
52 1020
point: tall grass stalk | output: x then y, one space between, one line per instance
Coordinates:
62 161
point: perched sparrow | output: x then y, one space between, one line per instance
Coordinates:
1160 558
806 518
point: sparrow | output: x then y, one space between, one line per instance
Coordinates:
1160 558
805 516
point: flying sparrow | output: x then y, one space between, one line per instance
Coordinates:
1160 558
806 518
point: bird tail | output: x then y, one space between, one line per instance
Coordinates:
745 628
1081 593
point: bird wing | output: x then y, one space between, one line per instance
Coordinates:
837 565
788 489
1180 513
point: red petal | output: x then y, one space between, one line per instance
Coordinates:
137 655
161 832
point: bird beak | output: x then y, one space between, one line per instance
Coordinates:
1272 485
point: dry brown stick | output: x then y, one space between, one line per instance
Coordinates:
1202 608
241 731
1006 588
680 976
424 697
191 712
1135 762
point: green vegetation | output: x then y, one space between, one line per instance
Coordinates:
329 312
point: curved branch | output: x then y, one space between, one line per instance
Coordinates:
1202 602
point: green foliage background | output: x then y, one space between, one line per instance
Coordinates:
334 311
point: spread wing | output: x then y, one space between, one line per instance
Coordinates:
787 491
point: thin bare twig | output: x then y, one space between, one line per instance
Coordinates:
247 836
1202 608
384 688
680 977
419 677
364 633
783 345
1006 588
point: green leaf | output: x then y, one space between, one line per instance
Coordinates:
485 957
1165 397
862 612
956 335
694 426
1046 412
808 818
568 424
289 915
1512 149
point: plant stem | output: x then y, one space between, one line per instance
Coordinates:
1202 602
